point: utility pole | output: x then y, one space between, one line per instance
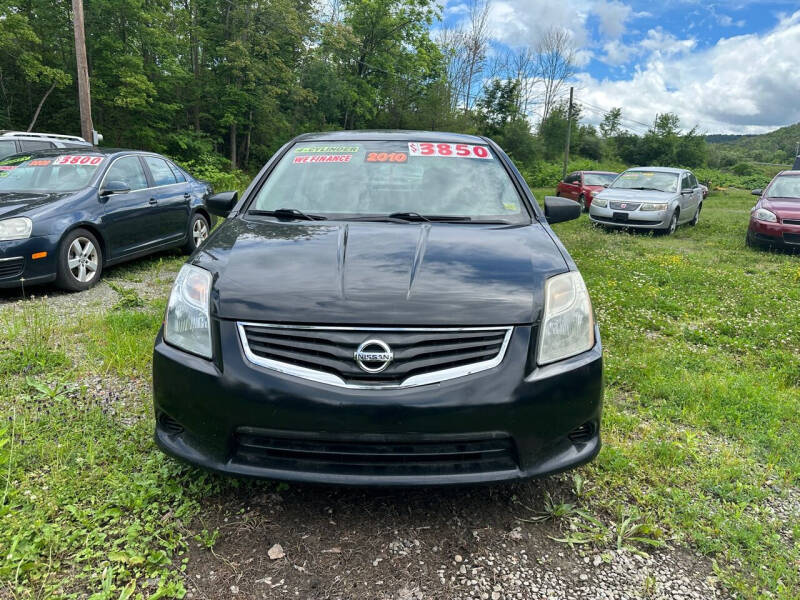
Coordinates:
84 97
569 132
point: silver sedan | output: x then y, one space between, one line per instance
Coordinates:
657 198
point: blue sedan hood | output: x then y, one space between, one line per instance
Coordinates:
14 204
366 273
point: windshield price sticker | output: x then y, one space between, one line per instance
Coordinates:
39 163
323 158
382 157
325 149
77 159
449 150
7 168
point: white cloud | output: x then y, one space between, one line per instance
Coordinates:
613 17
742 84
617 53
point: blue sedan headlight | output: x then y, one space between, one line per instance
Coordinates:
18 228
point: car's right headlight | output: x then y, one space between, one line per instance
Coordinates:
601 202
567 326
18 228
187 324
650 206
762 214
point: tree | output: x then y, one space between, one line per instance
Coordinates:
555 65
611 123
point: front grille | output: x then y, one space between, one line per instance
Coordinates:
420 356
170 425
791 238
791 221
625 205
11 267
379 457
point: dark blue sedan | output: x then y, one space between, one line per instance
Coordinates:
67 214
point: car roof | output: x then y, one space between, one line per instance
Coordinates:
34 135
793 173
600 172
658 169
82 150
390 135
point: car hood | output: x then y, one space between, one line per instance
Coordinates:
788 208
381 274
622 195
13 204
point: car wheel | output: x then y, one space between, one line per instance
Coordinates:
673 224
80 261
198 232
696 218
582 202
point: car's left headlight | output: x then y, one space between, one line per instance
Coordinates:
654 206
18 228
601 202
567 326
762 214
187 324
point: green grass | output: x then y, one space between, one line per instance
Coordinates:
701 424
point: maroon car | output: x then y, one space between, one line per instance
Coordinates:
775 219
583 185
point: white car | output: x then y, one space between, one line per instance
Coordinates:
656 198
15 142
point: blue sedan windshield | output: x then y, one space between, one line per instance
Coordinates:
64 173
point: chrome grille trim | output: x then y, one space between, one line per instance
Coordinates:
413 381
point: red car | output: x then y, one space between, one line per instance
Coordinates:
775 219
583 185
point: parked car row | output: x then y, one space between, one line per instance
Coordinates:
660 199
386 308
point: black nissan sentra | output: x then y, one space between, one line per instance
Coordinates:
383 308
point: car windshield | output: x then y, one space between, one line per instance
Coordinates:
785 186
647 180
346 180
598 178
64 173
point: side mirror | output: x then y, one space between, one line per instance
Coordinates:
222 204
757 192
558 210
115 187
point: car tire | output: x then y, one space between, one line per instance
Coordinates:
582 202
79 264
673 225
199 229
696 217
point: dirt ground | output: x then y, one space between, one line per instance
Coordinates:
341 543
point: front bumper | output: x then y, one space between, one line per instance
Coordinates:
609 217
778 235
19 268
500 424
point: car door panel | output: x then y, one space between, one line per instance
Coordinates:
129 220
173 199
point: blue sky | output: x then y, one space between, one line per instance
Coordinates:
727 67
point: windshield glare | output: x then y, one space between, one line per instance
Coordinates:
65 173
786 186
378 178
598 178
648 180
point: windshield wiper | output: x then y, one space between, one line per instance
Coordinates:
644 188
408 216
288 213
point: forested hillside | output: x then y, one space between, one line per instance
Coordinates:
779 146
